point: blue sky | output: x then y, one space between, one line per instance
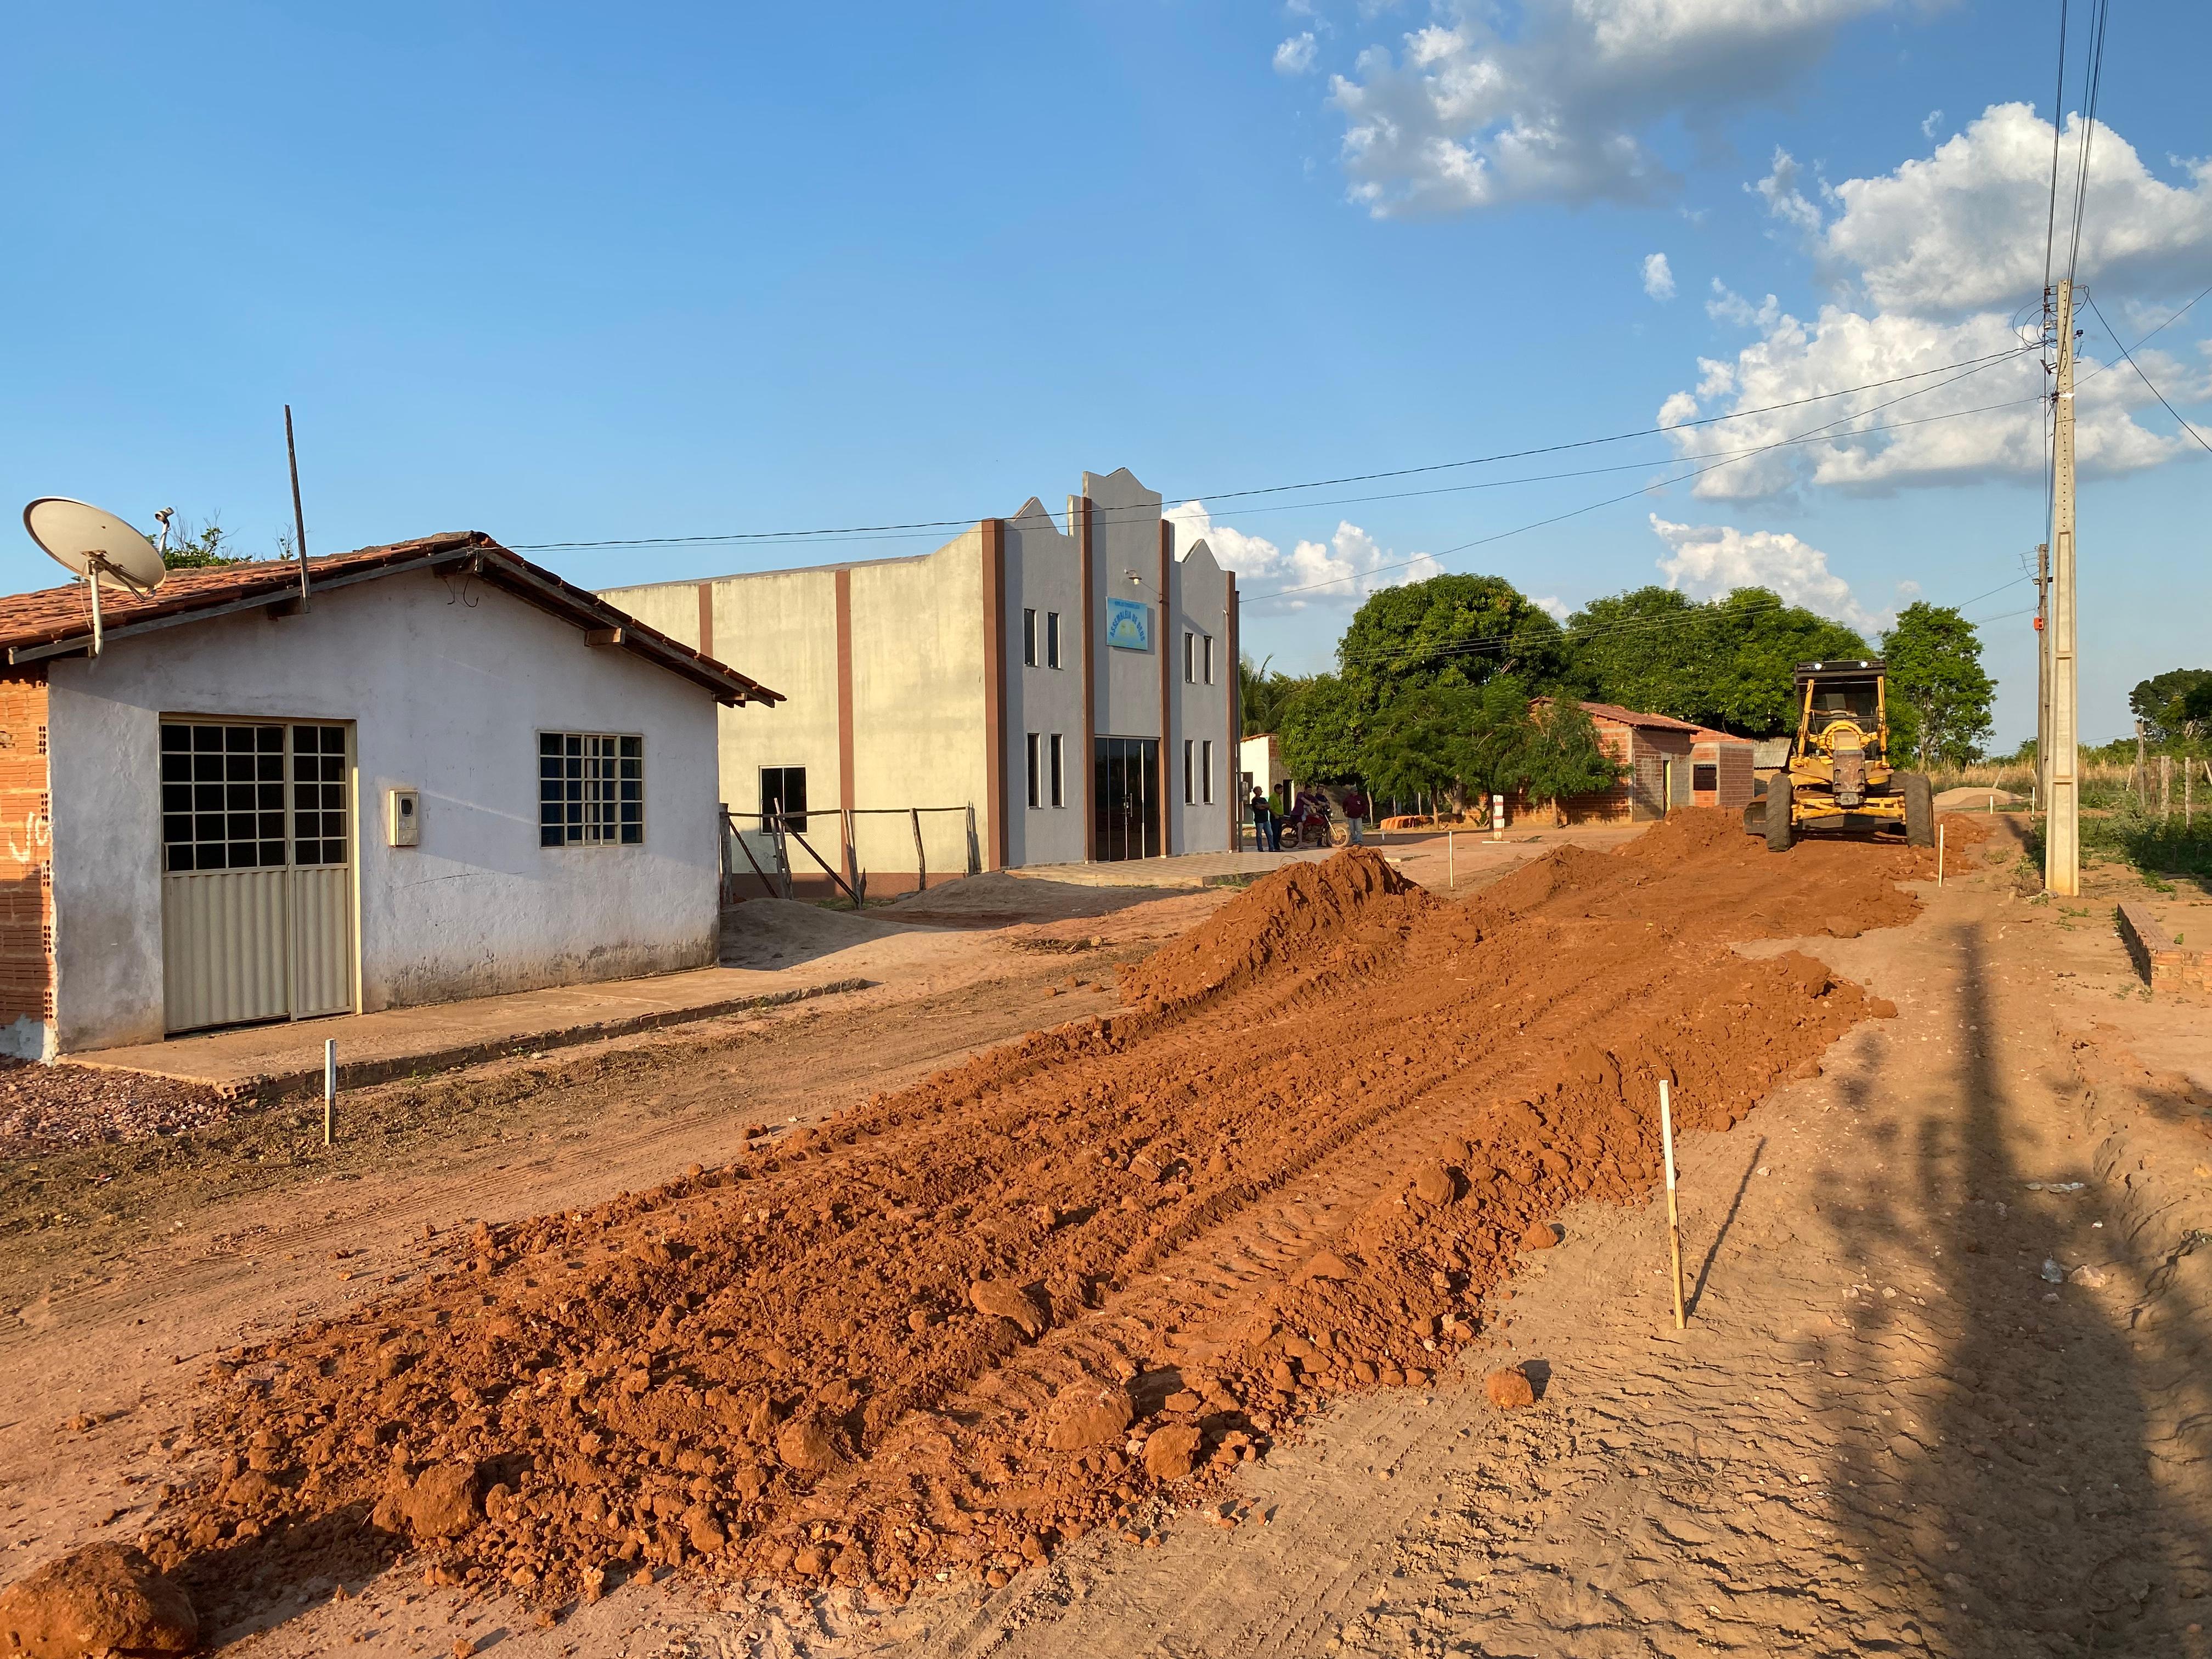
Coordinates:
560 274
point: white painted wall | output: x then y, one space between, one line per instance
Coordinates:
1198 712
1125 537
448 685
1043 573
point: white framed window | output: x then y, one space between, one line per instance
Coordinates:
1189 767
590 789
1190 659
1209 660
1030 640
1205 769
1059 769
1033 770
1051 640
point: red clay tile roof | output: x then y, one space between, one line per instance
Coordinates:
1613 712
33 624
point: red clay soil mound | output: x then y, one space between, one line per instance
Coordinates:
1302 913
947 1331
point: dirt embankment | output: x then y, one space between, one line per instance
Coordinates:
968 1321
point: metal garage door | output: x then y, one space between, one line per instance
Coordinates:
257 880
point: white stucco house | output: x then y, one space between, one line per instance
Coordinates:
1071 680
447 773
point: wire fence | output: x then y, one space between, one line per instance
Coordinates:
780 831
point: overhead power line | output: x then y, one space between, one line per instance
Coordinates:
2058 121
869 529
1611 500
1693 616
2146 379
2093 87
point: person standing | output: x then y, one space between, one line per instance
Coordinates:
1266 829
1356 811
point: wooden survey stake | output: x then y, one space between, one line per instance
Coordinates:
1673 1221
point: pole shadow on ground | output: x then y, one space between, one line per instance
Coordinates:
2003 1479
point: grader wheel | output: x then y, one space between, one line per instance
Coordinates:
1778 824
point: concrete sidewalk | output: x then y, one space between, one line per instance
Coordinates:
1181 870
287 1056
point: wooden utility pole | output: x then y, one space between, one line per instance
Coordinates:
2062 829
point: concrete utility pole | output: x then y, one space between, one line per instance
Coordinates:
2043 674
2062 829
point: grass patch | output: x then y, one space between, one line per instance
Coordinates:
2155 848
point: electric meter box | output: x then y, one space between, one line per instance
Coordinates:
404 822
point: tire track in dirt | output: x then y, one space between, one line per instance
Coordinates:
800 1365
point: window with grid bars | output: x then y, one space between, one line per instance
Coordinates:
223 796
319 794
590 789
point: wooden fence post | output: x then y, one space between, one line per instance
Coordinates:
920 857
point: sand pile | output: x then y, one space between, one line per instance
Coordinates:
954 1328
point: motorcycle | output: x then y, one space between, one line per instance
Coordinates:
1309 826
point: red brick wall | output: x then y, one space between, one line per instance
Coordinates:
27 892
1733 775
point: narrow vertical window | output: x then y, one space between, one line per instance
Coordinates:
1189 769
1034 770
1209 658
1029 638
1189 658
1059 770
1206 771
1052 638
783 790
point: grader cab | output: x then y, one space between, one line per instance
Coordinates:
1839 777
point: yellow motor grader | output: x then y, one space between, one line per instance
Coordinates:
1838 777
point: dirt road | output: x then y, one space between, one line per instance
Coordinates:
1960 1467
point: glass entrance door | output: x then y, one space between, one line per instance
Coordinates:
1125 797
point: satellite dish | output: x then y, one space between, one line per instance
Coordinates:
95 545
86 540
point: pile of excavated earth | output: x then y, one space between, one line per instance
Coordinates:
946 1332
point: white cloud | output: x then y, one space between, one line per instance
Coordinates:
1929 125
1553 606
1963 229
1931 262
1295 55
1351 561
1792 360
1658 277
1705 561
1469 114
1784 201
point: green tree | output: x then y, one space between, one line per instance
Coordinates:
1451 740
1562 756
2175 704
1447 630
1322 730
200 549
1939 696
1725 663
1264 697
1643 649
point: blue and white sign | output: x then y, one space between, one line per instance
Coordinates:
1128 625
